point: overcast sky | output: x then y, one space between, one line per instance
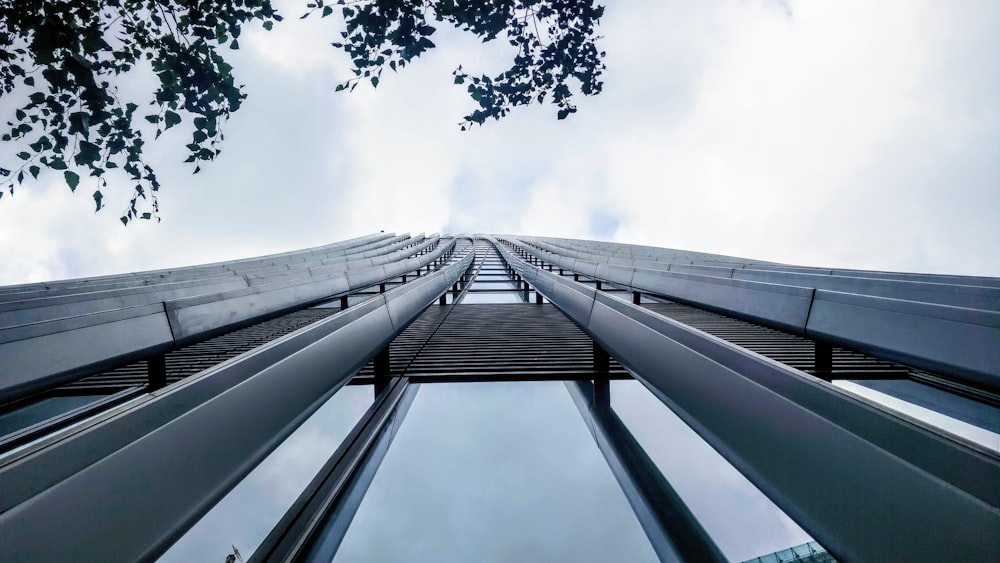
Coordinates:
855 134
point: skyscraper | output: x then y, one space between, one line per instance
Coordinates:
500 398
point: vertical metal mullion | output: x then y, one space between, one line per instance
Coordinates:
674 533
300 527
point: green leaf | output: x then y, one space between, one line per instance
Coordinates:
171 118
72 179
327 11
34 171
374 82
23 155
29 80
98 197
89 154
79 122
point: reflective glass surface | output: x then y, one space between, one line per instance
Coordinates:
811 552
987 416
494 472
245 516
43 409
479 298
741 520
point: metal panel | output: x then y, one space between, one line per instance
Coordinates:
794 351
190 319
961 342
153 277
47 354
958 342
969 296
188 360
14 313
180 455
867 485
785 307
193 317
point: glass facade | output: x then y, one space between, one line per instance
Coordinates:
494 472
21 417
810 552
621 417
248 512
740 519
947 412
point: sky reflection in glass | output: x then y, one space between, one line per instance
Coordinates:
743 522
494 472
245 516
981 436
42 410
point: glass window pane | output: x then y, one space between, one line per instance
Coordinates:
494 472
981 436
743 522
245 516
44 409
478 298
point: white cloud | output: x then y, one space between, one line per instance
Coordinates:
810 140
848 134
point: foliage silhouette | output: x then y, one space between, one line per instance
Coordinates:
60 60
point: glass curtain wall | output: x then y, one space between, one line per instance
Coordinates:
568 465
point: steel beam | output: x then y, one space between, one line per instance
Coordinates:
672 530
314 526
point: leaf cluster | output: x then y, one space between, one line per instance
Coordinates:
64 55
62 60
556 45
